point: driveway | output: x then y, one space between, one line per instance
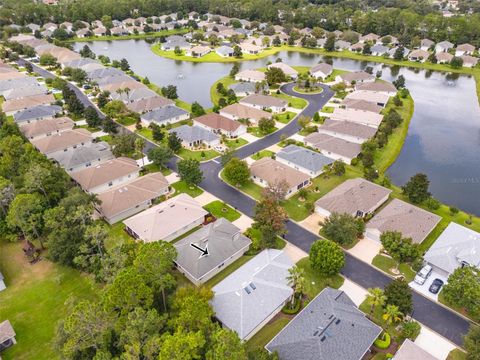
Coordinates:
423 289
366 249
354 292
433 343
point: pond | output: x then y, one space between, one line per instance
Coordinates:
444 135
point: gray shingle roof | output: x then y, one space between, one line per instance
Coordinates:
330 327
243 87
17 82
194 133
83 155
241 306
224 50
305 158
101 73
455 245
222 240
164 114
40 111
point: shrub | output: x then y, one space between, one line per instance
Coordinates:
410 330
296 307
383 341
432 203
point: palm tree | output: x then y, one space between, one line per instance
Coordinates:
139 145
296 280
375 298
392 314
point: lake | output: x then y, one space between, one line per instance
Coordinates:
444 135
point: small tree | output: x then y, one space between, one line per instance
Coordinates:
392 314
266 125
197 109
463 289
296 279
326 257
160 155
416 188
235 69
330 42
275 76
375 297
237 171
343 228
304 121
399 248
398 293
157 133
189 171
472 343
170 92
174 142
338 167
270 219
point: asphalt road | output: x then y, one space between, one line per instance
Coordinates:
438 318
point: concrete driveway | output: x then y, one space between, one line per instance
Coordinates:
366 249
423 289
354 292
433 343
311 223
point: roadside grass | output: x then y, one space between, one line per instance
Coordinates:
314 281
221 210
294 102
236 143
255 131
327 109
386 263
228 270
306 91
261 154
285 117
200 155
130 36
181 187
268 332
153 168
457 354
37 297
126 121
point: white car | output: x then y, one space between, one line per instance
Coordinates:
423 275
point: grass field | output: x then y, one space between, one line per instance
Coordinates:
36 298
285 117
386 263
261 154
236 143
182 187
221 210
200 155
294 102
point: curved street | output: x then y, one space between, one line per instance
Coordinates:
437 317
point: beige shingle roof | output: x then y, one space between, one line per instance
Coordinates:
348 128
265 101
412 221
274 172
358 116
353 195
62 140
218 122
245 112
163 220
127 196
149 104
27 102
110 170
382 86
42 127
333 145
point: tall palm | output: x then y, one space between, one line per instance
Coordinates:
375 297
392 314
139 145
296 280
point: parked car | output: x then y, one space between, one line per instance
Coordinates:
436 286
423 275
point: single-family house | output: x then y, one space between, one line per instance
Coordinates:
265 102
419 55
106 175
304 160
252 295
33 27
118 31
267 171
357 116
196 136
342 45
238 112
250 49
219 124
105 72
152 103
39 129
426 44
100 31
443 46
376 97
165 115
129 199
392 51
356 77
411 351
378 86
133 95
175 41
287 69
469 61
347 130
82 33
358 47
246 88
412 221
50 26
321 71
464 49
250 75
389 40
443 57
361 105
224 51
83 157
333 147
61 142
457 246
198 51
379 50
167 220
204 253
371 37
329 327
357 197
7 335
13 106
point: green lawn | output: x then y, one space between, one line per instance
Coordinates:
116 235
308 91
261 154
126 121
107 138
147 133
255 131
89 128
200 155
236 143
386 263
178 238
228 270
294 102
152 168
334 74
314 282
219 209
457 354
268 332
377 318
36 299
182 187
285 117
327 109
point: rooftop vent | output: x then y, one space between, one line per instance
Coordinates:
323 339
337 322
252 285
247 290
